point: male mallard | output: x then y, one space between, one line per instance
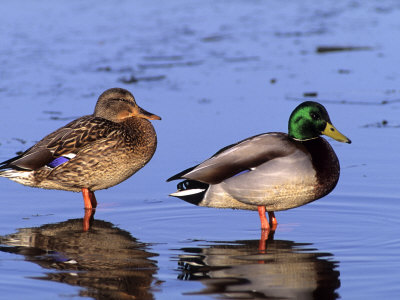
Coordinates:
91 153
271 171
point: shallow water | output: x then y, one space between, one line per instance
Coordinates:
216 72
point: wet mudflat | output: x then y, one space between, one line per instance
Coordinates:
216 72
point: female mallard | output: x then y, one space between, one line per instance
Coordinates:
271 171
91 153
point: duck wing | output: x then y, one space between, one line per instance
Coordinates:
67 140
239 157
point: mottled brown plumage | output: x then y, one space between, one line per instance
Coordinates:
93 152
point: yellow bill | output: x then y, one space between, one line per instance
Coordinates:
332 132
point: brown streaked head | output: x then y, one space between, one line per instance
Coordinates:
117 104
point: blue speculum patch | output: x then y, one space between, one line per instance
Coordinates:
58 161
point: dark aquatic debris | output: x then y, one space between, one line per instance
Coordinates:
214 38
52 112
22 141
56 115
290 34
168 65
134 79
204 101
305 97
57 118
310 94
344 71
381 124
326 49
115 70
104 69
241 59
163 58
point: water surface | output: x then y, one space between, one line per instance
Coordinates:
216 72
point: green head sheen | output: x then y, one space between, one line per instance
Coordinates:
309 120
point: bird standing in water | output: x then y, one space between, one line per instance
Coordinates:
271 171
91 153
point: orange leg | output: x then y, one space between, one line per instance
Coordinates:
90 207
263 218
89 199
265 225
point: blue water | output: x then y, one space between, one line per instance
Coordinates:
216 72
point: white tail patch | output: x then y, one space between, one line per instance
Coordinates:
187 192
23 177
15 174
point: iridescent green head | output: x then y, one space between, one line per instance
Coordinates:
309 120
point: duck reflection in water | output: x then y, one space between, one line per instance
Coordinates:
107 261
237 270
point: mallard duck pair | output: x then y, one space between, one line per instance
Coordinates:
268 172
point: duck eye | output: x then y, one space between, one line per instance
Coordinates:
315 116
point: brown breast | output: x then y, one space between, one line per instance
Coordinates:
325 163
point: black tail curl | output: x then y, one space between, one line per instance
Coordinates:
190 185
